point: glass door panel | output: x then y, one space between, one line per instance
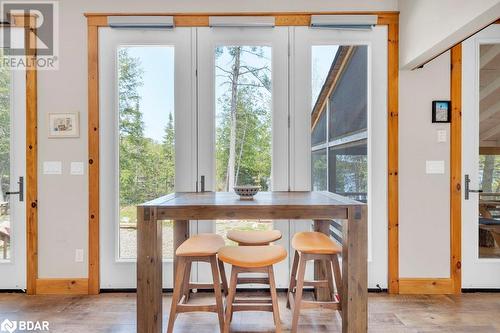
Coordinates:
243 123
12 176
147 139
242 112
344 75
481 159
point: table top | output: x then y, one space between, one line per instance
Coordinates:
204 199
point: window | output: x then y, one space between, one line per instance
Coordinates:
5 163
243 123
340 165
146 137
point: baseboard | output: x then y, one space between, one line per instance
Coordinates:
480 290
417 286
77 286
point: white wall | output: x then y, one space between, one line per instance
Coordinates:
424 203
429 27
63 200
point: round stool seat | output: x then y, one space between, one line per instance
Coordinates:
254 237
200 245
252 256
315 243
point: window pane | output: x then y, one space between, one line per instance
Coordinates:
243 122
319 177
489 153
5 166
146 137
348 171
319 130
348 102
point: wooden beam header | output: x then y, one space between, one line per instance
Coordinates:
282 18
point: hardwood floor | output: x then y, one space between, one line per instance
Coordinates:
115 312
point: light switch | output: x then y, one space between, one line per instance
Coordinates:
52 167
441 135
76 168
434 167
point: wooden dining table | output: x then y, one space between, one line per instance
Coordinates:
321 207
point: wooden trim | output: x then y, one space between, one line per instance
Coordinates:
389 18
393 156
31 162
456 169
93 162
489 150
425 286
282 18
62 286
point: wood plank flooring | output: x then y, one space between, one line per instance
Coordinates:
115 313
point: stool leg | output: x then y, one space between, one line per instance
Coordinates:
298 293
218 293
223 277
185 289
293 278
337 275
230 298
329 275
181 266
274 297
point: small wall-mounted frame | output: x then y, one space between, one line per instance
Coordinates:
64 125
441 111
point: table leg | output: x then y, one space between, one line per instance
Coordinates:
181 233
321 294
355 271
149 271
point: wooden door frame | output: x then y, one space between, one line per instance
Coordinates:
97 20
28 22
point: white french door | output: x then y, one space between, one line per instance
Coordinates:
12 173
480 155
147 138
243 118
339 126
239 103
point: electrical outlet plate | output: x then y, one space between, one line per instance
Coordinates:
52 168
79 255
76 168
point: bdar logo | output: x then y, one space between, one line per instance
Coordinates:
8 326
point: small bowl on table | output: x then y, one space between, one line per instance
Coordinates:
246 192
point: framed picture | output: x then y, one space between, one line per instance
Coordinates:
64 125
441 111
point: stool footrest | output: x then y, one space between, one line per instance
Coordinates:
316 283
262 300
196 308
253 307
253 280
332 305
201 286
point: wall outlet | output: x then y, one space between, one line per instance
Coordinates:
79 255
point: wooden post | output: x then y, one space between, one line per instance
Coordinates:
321 293
181 233
354 271
149 271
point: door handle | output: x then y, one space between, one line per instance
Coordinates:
21 189
467 188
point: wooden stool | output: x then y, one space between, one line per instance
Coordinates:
313 246
198 248
252 259
253 237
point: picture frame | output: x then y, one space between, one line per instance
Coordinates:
441 111
64 125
